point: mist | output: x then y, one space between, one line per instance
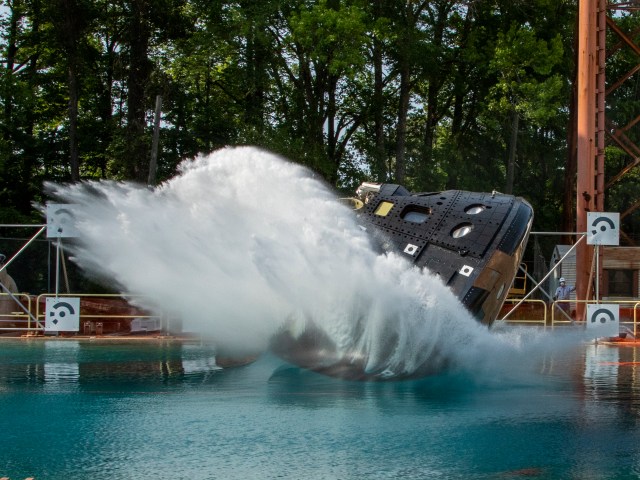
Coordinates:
242 244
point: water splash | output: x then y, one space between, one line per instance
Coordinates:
242 244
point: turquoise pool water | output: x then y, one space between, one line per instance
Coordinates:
71 410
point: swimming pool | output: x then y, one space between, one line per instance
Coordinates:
79 410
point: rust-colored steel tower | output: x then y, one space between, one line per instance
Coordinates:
595 16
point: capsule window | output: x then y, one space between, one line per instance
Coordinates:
462 230
475 209
416 214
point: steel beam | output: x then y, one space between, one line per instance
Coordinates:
587 198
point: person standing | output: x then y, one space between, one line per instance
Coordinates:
563 294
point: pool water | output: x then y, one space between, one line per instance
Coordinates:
74 410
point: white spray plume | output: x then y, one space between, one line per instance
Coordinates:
242 241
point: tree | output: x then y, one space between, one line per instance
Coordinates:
70 19
526 86
326 46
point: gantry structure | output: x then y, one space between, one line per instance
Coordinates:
594 130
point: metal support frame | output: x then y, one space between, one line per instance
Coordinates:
592 126
538 286
13 257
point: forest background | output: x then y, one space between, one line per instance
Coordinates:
435 95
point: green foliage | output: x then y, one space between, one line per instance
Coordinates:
318 81
524 65
331 35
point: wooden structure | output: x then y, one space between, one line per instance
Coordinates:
621 273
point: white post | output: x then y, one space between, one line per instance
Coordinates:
57 280
597 273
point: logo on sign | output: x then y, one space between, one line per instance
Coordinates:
602 224
603 228
62 314
61 221
603 320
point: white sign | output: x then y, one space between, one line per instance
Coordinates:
62 314
603 320
603 228
61 221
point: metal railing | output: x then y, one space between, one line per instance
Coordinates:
539 312
630 321
27 313
16 308
99 322
524 315
558 314
23 312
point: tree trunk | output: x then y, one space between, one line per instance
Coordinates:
571 169
513 145
379 161
433 118
153 163
403 111
14 18
72 25
436 81
256 55
136 82
74 158
331 130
